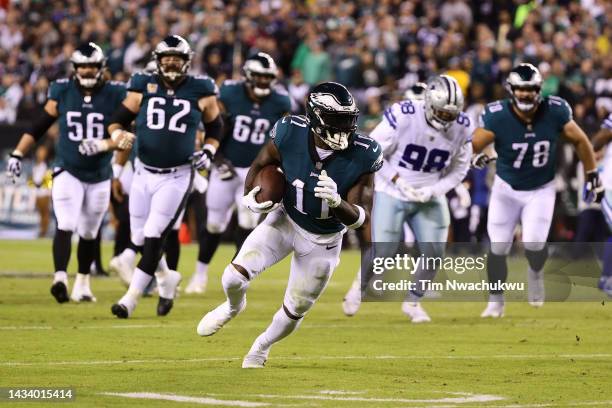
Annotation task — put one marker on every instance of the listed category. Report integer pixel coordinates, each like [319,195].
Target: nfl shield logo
[151,88]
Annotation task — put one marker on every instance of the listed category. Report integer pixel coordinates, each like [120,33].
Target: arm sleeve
[460,164]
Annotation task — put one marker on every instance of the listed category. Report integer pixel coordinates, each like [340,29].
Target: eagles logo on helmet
[86,56]
[443,101]
[174,70]
[332,112]
[524,83]
[260,72]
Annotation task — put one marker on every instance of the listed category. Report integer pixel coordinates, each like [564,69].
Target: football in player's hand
[272,183]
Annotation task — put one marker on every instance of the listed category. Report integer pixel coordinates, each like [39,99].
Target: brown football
[272,183]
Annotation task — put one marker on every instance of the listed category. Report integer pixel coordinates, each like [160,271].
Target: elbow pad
[214,129]
[42,124]
[123,116]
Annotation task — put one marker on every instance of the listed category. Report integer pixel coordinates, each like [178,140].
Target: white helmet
[525,76]
[89,54]
[443,101]
[261,72]
[416,92]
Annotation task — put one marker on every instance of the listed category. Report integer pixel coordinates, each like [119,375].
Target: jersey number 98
[420,159]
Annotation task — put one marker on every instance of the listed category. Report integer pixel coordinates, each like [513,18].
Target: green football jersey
[302,167]
[84,117]
[168,118]
[248,122]
[526,152]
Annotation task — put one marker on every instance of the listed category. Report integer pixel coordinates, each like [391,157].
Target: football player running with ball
[251,107]
[168,106]
[325,165]
[84,104]
[427,151]
[525,131]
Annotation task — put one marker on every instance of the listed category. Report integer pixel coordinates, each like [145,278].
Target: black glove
[593,188]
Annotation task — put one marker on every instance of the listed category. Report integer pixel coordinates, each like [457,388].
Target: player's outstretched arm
[29,138]
[602,138]
[350,212]
[575,135]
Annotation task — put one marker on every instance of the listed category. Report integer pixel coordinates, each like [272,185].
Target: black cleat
[120,311]
[60,292]
[164,306]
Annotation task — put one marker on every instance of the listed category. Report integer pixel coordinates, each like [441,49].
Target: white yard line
[182,398]
[466,398]
[114,326]
[314,358]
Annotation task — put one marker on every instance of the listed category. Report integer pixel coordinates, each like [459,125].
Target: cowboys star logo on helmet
[527,81]
[175,69]
[88,55]
[443,101]
[261,72]
[332,112]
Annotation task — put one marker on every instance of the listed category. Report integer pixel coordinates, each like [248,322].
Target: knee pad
[536,259]
[501,248]
[215,228]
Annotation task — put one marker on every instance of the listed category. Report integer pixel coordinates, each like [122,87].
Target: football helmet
[177,46]
[443,101]
[260,72]
[525,77]
[416,92]
[332,113]
[88,55]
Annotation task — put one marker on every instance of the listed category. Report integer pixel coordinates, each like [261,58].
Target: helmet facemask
[90,79]
[175,69]
[527,81]
[335,129]
[443,102]
[88,55]
[260,72]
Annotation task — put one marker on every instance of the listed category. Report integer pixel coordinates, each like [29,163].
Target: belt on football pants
[157,170]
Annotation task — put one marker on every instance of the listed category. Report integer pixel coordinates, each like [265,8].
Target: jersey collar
[314,156]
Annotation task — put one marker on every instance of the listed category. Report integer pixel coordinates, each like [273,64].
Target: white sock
[235,286]
[139,282]
[201,269]
[496,297]
[281,326]
[128,255]
[60,276]
[163,265]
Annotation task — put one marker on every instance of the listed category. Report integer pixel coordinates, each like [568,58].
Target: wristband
[360,219]
[117,170]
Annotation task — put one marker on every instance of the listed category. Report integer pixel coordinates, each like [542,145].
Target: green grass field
[559,355]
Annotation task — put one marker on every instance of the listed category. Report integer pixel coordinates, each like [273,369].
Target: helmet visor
[344,121]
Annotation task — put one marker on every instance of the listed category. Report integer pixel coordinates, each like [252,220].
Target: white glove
[123,138]
[13,168]
[202,159]
[327,190]
[251,203]
[91,147]
[226,170]
[423,194]
[406,189]
[481,160]
[463,194]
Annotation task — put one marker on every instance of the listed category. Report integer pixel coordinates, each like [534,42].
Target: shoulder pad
[560,107]
[205,85]
[369,152]
[138,81]
[57,87]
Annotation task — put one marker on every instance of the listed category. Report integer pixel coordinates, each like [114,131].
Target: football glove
[202,159]
[91,147]
[327,190]
[463,194]
[406,189]
[251,203]
[226,169]
[481,160]
[423,194]
[123,138]
[593,188]
[13,168]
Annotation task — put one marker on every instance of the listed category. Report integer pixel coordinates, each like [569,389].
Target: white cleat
[167,283]
[352,300]
[415,311]
[81,291]
[255,359]
[494,310]
[197,284]
[217,318]
[535,290]
[122,268]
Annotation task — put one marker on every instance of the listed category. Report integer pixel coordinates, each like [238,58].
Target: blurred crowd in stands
[378,48]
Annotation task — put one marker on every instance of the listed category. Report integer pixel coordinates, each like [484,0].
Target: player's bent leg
[312,265]
[536,220]
[429,222]
[67,194]
[270,242]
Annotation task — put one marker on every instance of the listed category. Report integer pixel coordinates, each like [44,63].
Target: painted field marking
[183,398]
[312,358]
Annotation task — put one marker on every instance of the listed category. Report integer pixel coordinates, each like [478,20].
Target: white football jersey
[418,152]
